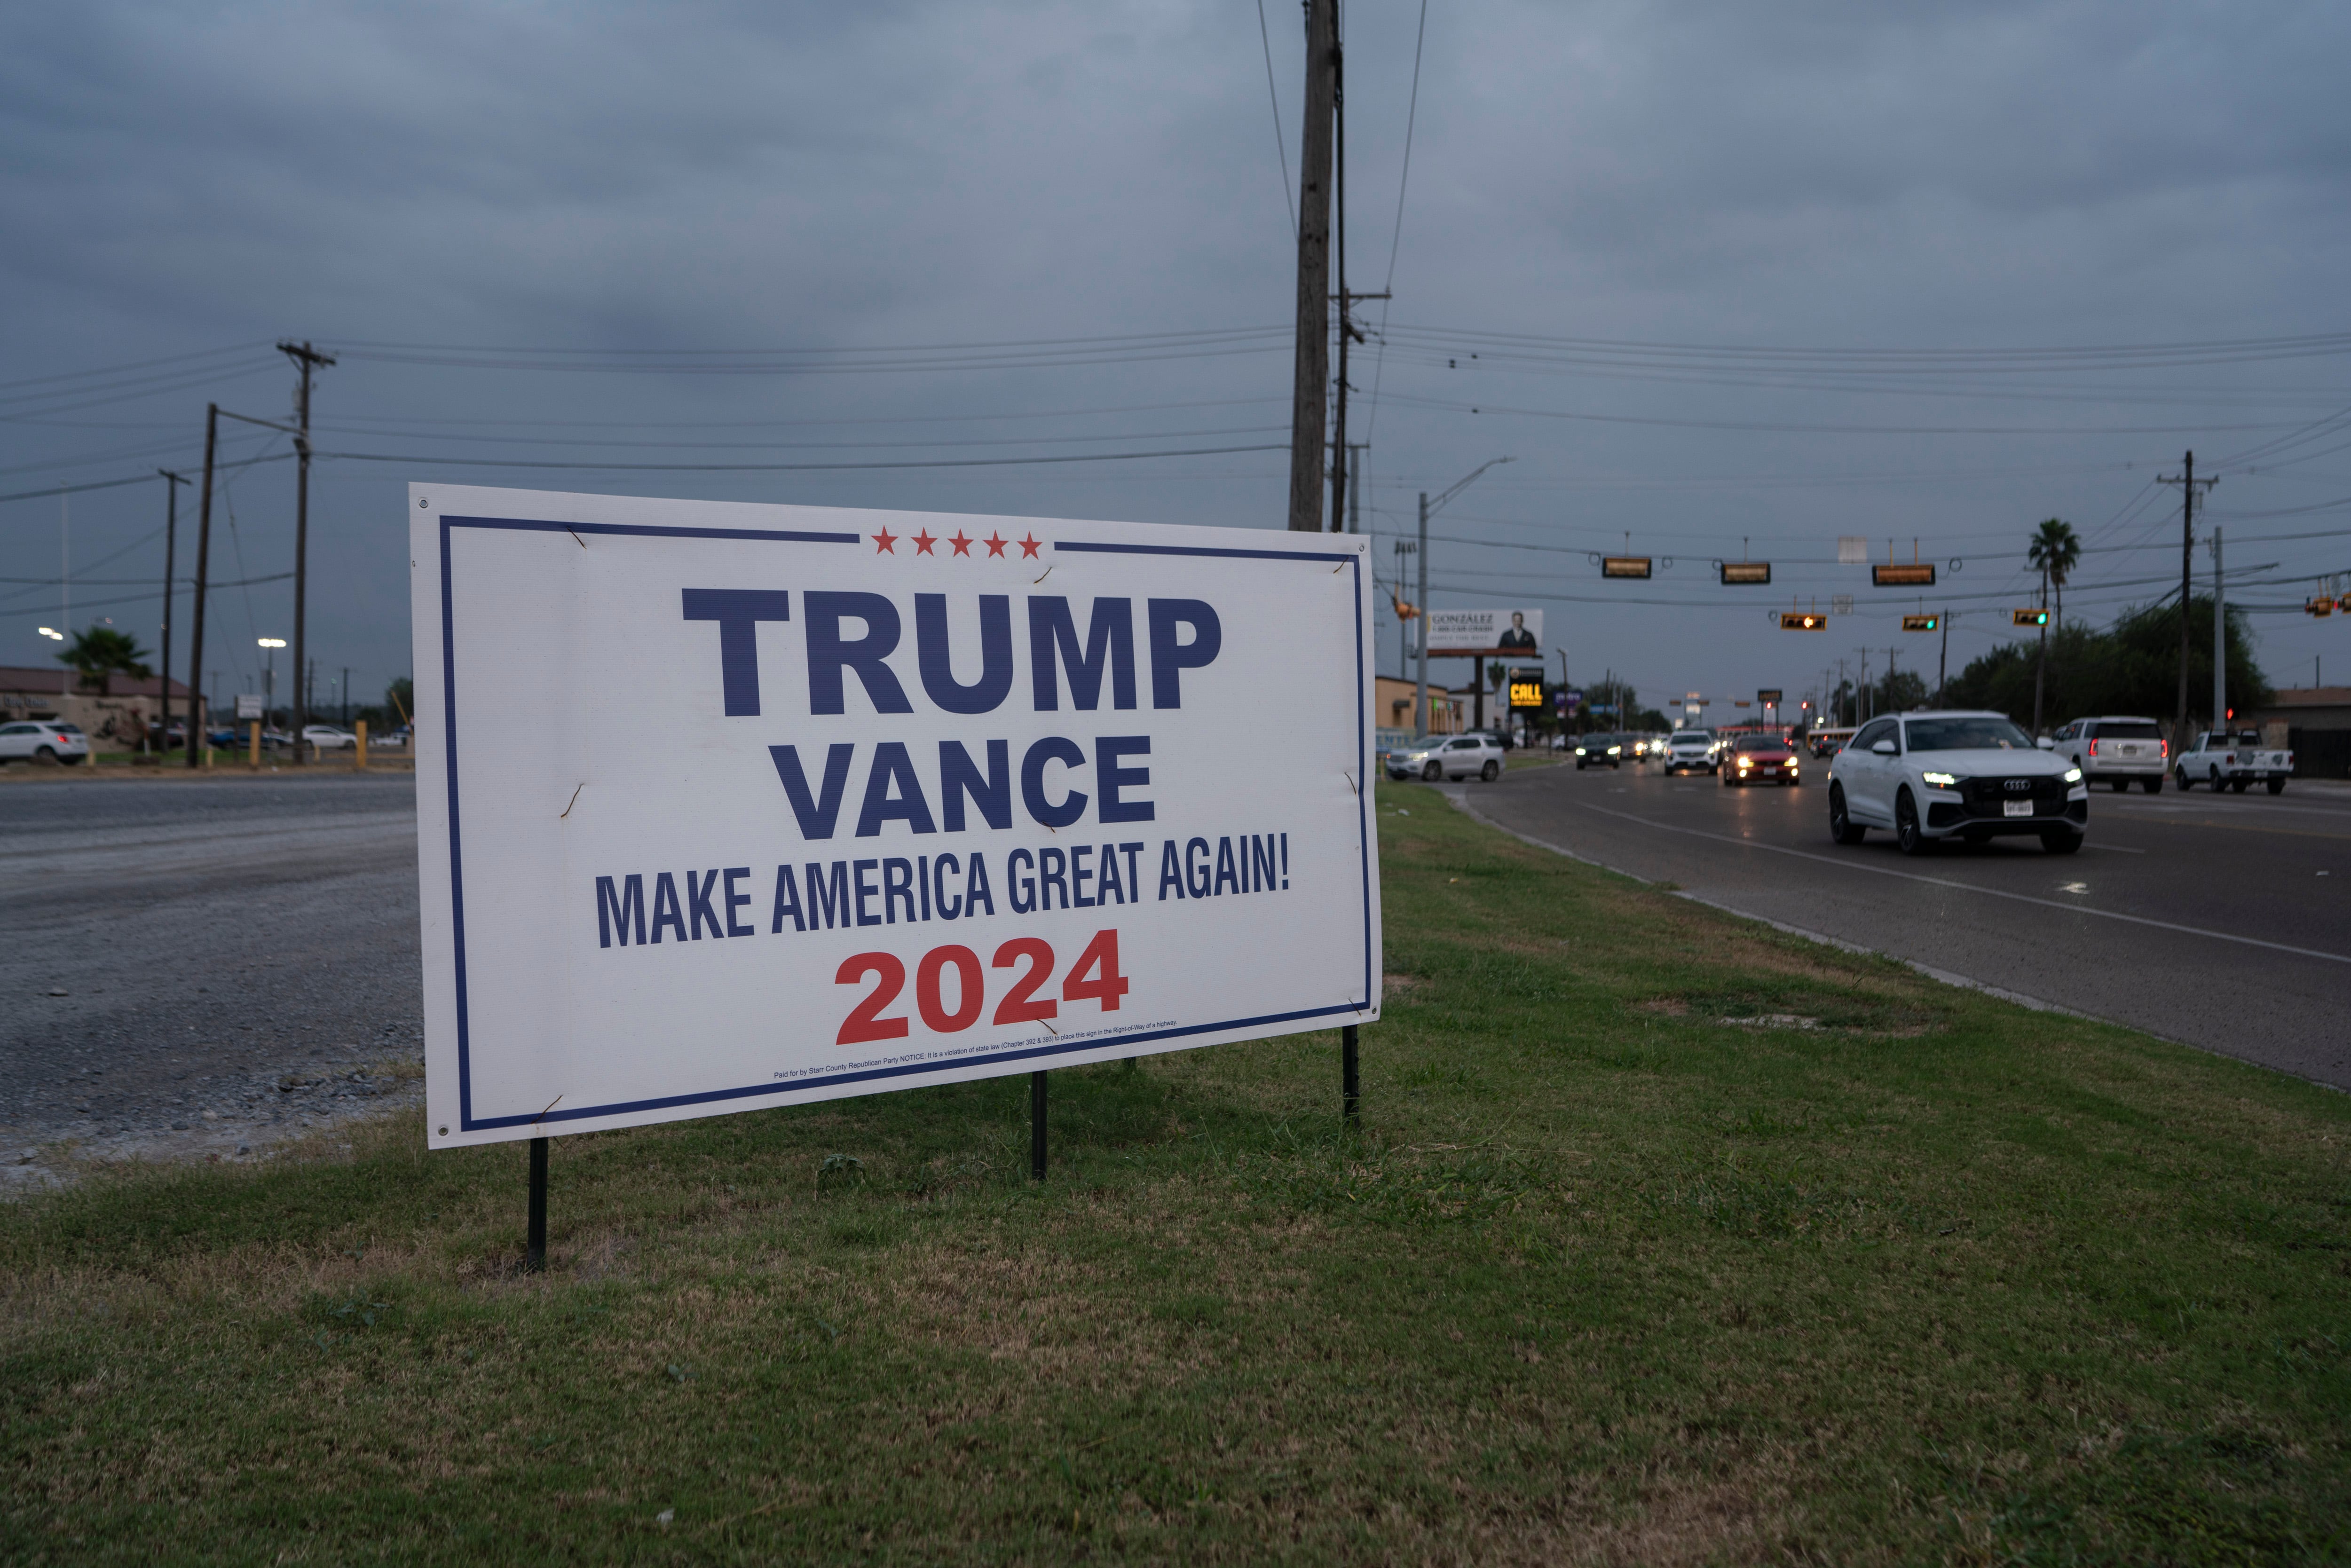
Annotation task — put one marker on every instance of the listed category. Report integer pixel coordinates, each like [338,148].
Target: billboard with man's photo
[1476,634]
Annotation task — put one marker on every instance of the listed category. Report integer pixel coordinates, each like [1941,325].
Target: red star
[887,541]
[924,541]
[962,544]
[1028,546]
[996,543]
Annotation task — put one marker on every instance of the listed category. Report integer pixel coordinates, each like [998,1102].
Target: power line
[790,467]
[1280,150]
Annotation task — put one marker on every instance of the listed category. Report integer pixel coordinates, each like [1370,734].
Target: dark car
[1760,759]
[1597,750]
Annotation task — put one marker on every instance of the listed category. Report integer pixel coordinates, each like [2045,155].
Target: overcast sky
[1915,203]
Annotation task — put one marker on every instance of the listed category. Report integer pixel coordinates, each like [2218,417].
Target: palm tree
[102,653]
[2055,551]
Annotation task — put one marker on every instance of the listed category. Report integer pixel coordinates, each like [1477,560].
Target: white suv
[2116,750]
[1970,776]
[1448,757]
[1688,748]
[43,740]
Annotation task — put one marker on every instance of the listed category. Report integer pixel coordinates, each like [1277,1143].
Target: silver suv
[2116,750]
[1448,757]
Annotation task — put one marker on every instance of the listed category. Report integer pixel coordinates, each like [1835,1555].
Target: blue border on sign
[470,1123]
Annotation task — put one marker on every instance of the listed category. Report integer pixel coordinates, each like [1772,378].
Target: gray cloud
[715,176]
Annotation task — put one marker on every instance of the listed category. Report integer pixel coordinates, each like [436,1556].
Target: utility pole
[1943,661]
[2040,664]
[204,557]
[1356,482]
[2220,640]
[2187,482]
[1420,555]
[171,483]
[1312,378]
[310,358]
[347,700]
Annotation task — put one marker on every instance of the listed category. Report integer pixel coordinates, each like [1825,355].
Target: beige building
[1392,707]
[2314,722]
[112,719]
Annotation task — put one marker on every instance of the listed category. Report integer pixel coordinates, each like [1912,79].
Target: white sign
[248,706]
[1852,550]
[726,806]
[1464,633]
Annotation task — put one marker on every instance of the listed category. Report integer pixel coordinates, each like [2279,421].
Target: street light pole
[1428,509]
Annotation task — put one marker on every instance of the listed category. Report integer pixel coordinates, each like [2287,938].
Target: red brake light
[2166,748]
[2093,749]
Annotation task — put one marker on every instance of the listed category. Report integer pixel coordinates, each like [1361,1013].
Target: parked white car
[43,740]
[2115,751]
[327,738]
[1448,757]
[2222,761]
[1941,775]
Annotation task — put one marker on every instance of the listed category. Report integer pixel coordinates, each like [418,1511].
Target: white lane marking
[1972,887]
[2117,849]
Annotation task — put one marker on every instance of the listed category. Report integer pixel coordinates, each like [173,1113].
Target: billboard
[1527,689]
[724,805]
[1471,633]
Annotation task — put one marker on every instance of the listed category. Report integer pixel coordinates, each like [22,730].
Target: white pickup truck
[2224,761]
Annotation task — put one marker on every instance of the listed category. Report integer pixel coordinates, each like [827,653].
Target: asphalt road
[2220,921]
[170,947]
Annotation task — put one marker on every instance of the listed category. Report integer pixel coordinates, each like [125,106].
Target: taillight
[2093,749]
[2166,748]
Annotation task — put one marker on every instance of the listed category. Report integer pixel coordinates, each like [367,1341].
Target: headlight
[1941,781]
[2072,776]
[1614,749]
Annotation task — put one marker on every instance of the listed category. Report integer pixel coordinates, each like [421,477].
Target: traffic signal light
[2031,617]
[1802,620]
[1921,623]
[2320,606]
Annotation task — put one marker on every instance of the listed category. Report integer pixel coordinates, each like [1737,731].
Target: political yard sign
[727,806]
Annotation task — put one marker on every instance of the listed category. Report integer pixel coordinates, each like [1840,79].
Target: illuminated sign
[1745,571]
[1915,574]
[1624,565]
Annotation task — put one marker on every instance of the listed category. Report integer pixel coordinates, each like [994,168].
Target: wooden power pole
[1312,381]
[310,358]
[2188,484]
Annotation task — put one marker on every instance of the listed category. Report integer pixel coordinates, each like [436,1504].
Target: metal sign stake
[1036,1126]
[535,1243]
[1351,1076]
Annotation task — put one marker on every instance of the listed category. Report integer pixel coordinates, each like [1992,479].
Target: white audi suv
[1970,776]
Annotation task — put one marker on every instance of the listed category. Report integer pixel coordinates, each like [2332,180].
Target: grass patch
[1603,1279]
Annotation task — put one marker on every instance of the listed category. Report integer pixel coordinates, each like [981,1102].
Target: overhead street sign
[1769,696]
[937,797]
[1921,623]
[1904,574]
[2031,617]
[1736,572]
[1799,621]
[1840,603]
[1625,566]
